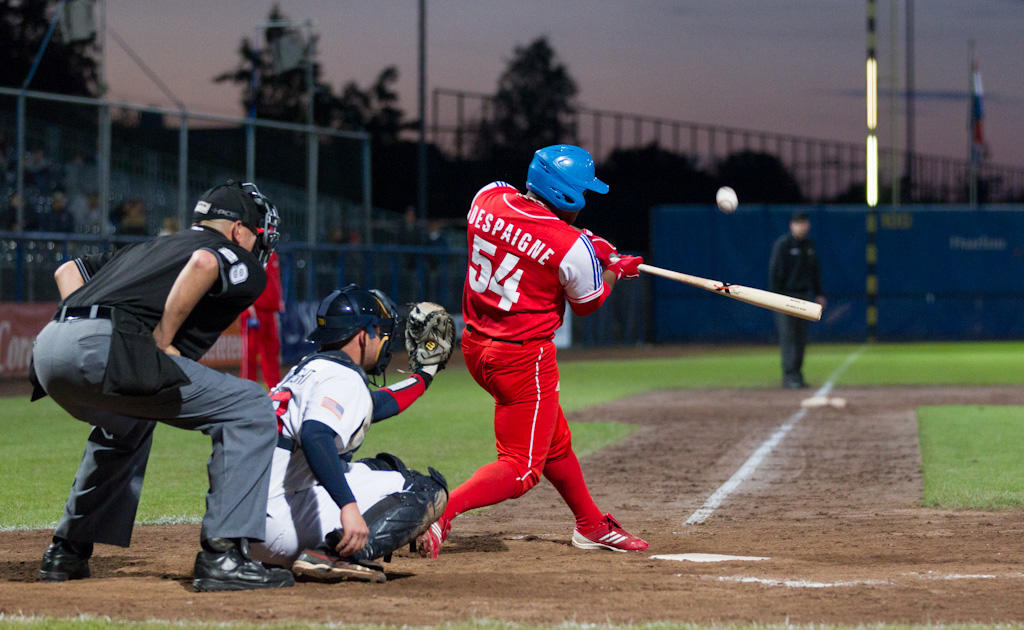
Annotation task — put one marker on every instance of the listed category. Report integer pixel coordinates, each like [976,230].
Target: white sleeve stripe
[400,385]
[494,184]
[588,297]
[593,260]
[82,270]
[580,273]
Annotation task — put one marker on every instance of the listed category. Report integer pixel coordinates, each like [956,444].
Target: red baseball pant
[261,347]
[532,435]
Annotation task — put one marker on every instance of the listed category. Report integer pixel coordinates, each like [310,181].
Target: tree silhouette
[374,109]
[279,96]
[65,67]
[533,106]
[759,177]
[282,96]
[638,180]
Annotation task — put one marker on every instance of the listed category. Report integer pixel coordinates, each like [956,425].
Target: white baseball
[726,199]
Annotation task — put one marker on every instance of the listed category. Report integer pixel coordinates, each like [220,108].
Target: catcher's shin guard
[414,481]
[387,461]
[398,518]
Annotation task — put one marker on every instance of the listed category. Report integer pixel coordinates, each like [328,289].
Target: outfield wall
[944,273]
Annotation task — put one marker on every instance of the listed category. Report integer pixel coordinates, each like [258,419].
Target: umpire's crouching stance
[121,355]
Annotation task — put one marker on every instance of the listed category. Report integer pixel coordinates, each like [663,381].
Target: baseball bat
[758,297]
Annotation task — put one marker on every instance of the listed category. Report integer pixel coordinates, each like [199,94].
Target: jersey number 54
[503,281]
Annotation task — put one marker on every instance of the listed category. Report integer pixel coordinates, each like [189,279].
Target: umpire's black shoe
[226,566]
[65,560]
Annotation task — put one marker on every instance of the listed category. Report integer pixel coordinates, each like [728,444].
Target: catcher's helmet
[561,173]
[242,201]
[346,311]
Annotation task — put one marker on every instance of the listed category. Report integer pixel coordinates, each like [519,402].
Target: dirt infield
[835,509]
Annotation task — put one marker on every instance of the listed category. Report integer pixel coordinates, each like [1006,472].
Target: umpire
[795,272]
[121,354]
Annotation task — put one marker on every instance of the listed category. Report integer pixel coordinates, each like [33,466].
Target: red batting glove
[626,267]
[604,250]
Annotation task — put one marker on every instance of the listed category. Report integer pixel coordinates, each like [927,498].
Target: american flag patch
[332,405]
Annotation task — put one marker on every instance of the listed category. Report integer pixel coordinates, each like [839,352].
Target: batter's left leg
[564,472]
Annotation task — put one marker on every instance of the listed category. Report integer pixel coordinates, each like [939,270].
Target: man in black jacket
[122,354]
[795,272]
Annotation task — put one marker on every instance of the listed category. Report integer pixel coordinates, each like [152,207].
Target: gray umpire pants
[70,359]
[792,340]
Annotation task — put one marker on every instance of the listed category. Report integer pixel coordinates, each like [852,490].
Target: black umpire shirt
[138,278]
[794,267]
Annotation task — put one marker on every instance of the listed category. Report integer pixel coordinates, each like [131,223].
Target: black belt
[477,332]
[66,313]
[286,443]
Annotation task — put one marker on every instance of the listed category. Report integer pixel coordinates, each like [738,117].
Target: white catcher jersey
[327,392]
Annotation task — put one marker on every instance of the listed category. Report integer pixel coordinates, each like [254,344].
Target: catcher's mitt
[429,335]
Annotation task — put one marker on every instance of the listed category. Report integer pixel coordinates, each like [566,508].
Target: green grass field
[972,456]
[450,427]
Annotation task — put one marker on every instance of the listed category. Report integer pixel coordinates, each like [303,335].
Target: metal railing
[825,169]
[405,273]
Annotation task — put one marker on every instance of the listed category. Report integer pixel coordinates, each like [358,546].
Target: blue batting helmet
[561,173]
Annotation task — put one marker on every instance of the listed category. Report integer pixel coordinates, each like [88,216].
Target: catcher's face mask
[243,201]
[267,235]
[385,325]
[347,311]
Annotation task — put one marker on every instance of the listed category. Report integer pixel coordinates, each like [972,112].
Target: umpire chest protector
[136,280]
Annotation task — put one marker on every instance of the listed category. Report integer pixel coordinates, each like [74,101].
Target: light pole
[871,158]
[871,192]
[250,129]
[21,113]
[421,189]
[103,141]
[312,144]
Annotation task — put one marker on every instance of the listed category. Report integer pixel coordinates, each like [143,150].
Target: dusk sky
[788,66]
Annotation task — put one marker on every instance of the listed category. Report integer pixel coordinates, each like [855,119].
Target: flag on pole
[977,116]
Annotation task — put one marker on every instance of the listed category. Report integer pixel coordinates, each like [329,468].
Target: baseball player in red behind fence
[261,343]
[526,261]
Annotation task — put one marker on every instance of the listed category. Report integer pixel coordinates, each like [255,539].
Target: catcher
[330,518]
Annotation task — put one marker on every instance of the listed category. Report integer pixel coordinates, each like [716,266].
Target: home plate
[823,401]
[706,557]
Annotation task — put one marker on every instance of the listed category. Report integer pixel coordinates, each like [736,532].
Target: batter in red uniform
[526,261]
[261,342]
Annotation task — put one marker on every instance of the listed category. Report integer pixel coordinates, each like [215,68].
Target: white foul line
[748,467]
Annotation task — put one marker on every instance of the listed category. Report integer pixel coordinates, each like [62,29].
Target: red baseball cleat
[429,542]
[608,535]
